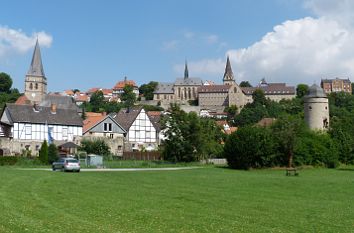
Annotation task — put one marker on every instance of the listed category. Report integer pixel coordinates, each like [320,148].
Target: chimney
[35,107]
[53,108]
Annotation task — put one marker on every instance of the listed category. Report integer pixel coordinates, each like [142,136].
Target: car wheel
[53,168]
[78,170]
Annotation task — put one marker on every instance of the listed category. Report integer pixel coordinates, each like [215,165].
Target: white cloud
[296,51]
[15,41]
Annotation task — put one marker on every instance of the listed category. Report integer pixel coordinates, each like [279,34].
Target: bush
[97,146]
[53,154]
[43,152]
[316,149]
[8,160]
[250,147]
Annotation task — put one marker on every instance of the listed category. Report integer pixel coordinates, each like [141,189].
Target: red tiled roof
[69,92]
[89,122]
[153,113]
[22,100]
[121,84]
[81,98]
[93,90]
[106,91]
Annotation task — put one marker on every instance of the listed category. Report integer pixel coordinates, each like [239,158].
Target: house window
[28,130]
[36,86]
[65,132]
[107,127]
[111,135]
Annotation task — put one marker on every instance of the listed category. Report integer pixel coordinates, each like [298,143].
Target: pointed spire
[186,73]
[36,68]
[228,75]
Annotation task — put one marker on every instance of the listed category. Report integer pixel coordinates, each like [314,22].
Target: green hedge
[8,160]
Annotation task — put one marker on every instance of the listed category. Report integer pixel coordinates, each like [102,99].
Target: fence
[138,155]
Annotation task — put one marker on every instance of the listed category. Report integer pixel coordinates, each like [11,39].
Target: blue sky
[91,43]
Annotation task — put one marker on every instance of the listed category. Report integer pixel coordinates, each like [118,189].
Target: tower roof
[315,92]
[36,67]
[228,75]
[186,73]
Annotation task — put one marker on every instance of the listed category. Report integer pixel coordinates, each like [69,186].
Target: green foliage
[43,152]
[301,90]
[245,84]
[231,111]
[129,97]
[190,138]
[8,160]
[147,90]
[317,149]
[251,114]
[5,82]
[148,108]
[287,130]
[97,101]
[97,146]
[53,153]
[250,147]
[259,97]
[8,97]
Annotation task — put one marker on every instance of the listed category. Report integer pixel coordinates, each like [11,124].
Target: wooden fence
[138,155]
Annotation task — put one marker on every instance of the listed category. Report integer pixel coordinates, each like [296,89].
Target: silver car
[66,164]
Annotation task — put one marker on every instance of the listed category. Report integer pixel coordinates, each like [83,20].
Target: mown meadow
[205,199]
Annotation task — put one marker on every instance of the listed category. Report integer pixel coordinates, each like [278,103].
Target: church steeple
[35,81]
[228,78]
[186,73]
[36,67]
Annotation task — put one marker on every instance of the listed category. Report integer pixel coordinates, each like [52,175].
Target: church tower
[228,75]
[186,73]
[35,81]
[316,108]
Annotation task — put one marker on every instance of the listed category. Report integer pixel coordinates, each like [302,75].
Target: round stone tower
[316,108]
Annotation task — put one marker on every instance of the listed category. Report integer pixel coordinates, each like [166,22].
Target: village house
[142,129]
[104,127]
[118,89]
[336,85]
[37,116]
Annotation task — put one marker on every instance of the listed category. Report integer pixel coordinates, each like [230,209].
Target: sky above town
[96,43]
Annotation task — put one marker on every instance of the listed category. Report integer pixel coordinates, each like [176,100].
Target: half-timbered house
[142,130]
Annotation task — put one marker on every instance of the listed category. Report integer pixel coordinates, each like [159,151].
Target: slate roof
[126,118]
[271,89]
[66,102]
[36,67]
[347,80]
[26,114]
[315,92]
[214,89]
[155,118]
[188,82]
[164,88]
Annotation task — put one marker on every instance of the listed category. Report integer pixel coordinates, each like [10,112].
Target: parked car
[66,164]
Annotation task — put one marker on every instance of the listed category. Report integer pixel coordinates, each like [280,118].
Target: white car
[66,164]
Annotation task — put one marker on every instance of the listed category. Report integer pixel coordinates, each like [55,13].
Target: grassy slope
[201,200]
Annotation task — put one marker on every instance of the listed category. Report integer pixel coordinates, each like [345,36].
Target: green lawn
[200,200]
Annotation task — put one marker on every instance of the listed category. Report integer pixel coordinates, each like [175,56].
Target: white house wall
[28,131]
[142,130]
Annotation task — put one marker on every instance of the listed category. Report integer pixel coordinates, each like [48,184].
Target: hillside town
[60,118]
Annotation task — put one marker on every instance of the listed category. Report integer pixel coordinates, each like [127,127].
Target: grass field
[200,200]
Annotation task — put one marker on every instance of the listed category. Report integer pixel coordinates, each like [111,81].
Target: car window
[72,161]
